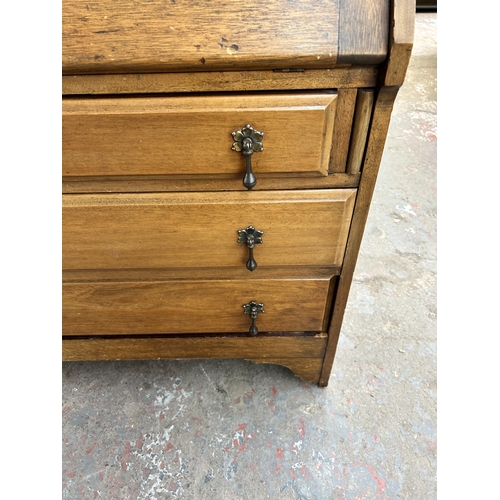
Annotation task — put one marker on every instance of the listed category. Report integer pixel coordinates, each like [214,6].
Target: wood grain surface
[166,261]
[302,355]
[363,31]
[185,135]
[400,41]
[346,103]
[151,184]
[172,230]
[193,306]
[169,347]
[382,110]
[364,105]
[220,81]
[120,36]
[308,369]
[182,274]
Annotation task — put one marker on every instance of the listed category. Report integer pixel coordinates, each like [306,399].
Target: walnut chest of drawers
[219,160]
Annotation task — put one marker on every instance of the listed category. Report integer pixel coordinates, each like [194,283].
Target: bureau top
[141,36]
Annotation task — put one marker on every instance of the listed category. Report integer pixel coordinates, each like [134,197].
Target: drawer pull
[250,236]
[248,141]
[253,309]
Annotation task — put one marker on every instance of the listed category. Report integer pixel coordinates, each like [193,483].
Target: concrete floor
[234,429]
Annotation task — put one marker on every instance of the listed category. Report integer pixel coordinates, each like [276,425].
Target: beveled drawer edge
[195,183]
[199,273]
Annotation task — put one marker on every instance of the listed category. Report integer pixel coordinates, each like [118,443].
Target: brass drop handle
[250,237]
[248,141]
[253,308]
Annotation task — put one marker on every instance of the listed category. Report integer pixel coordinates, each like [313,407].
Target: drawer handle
[250,236]
[248,141]
[253,309]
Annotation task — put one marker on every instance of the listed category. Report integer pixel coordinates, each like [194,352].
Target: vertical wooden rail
[364,105]
[342,130]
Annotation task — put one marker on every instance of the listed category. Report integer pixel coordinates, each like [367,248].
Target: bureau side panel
[374,150]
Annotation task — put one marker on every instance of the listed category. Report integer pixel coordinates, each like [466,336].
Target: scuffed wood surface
[123,36]
[401,41]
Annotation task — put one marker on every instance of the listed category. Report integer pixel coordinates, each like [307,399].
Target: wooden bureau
[219,161]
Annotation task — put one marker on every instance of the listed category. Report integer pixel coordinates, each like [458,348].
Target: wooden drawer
[200,230]
[195,306]
[191,135]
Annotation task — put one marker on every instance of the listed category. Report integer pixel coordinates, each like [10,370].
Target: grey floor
[234,429]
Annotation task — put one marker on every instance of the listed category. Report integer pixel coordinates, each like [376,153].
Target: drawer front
[200,230]
[184,136]
[194,306]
